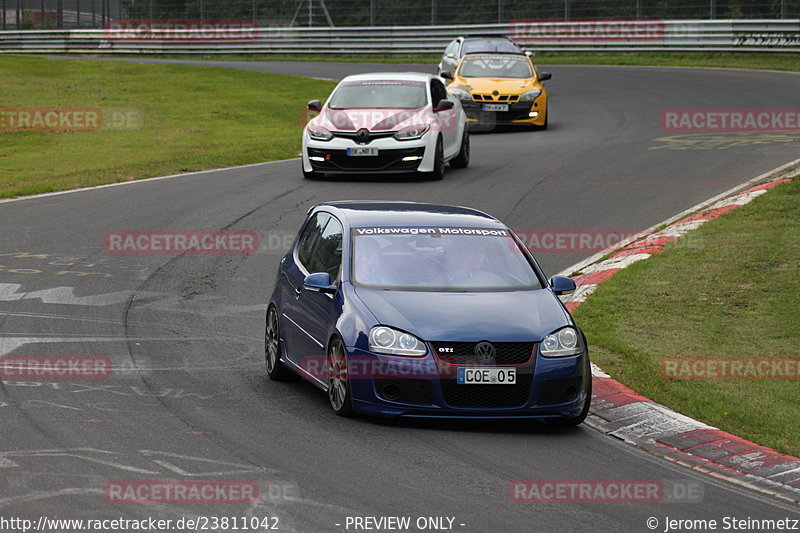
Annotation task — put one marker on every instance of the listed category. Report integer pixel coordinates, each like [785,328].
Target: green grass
[729,289]
[752,60]
[192,118]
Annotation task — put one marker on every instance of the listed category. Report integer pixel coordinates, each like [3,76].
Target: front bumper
[545,388]
[330,157]
[518,113]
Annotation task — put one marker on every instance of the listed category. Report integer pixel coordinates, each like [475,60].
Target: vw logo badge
[485,351]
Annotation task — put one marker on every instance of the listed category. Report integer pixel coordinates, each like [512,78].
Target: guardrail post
[566,9]
[433,12]
[202,11]
[59,14]
[712,8]
[4,14]
[18,12]
[372,14]
[78,16]
[784,9]
[499,11]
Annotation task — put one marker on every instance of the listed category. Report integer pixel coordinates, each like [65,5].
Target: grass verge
[182,119]
[750,60]
[729,289]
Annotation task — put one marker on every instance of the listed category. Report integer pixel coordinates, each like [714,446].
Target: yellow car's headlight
[530,96]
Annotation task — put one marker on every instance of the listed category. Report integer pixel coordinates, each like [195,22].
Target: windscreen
[442,259]
[489,45]
[374,94]
[496,67]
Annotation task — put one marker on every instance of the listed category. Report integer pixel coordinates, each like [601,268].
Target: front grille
[370,137]
[414,391]
[559,391]
[463,353]
[498,98]
[487,396]
[385,160]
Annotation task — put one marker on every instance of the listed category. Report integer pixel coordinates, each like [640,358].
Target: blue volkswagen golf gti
[419,310]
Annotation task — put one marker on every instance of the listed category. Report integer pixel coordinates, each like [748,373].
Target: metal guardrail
[616,35]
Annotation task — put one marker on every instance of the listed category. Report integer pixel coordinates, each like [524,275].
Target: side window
[327,255]
[309,239]
[438,92]
[452,49]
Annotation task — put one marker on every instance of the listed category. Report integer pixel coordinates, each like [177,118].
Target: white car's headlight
[411,132]
[318,133]
[390,341]
[560,343]
[530,96]
[461,94]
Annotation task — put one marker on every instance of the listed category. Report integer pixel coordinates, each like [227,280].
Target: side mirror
[443,105]
[529,53]
[446,75]
[320,282]
[450,56]
[316,105]
[544,76]
[562,285]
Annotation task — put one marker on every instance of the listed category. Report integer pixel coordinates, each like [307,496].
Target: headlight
[530,96]
[319,133]
[386,340]
[560,343]
[411,132]
[461,94]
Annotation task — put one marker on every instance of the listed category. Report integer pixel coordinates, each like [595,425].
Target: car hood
[468,316]
[501,85]
[372,119]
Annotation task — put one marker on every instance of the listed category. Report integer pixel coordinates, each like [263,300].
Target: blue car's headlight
[560,343]
[386,340]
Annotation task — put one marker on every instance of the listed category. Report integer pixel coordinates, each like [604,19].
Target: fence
[77,14]
[242,36]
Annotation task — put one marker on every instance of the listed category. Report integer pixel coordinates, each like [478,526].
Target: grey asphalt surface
[189,399]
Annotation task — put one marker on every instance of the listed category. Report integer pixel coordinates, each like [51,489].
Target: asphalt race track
[189,399]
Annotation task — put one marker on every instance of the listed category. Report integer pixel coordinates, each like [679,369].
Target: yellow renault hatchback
[496,88]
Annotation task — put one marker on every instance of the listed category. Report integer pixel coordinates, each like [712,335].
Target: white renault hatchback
[386,122]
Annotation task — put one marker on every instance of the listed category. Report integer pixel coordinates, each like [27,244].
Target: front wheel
[272,350]
[339,391]
[462,159]
[438,162]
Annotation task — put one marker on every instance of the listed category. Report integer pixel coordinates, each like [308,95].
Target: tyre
[438,162]
[339,390]
[462,159]
[276,370]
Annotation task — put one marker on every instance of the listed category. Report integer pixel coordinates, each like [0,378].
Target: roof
[404,76]
[362,213]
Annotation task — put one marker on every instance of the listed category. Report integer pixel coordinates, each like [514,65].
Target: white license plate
[362,151]
[494,107]
[486,376]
